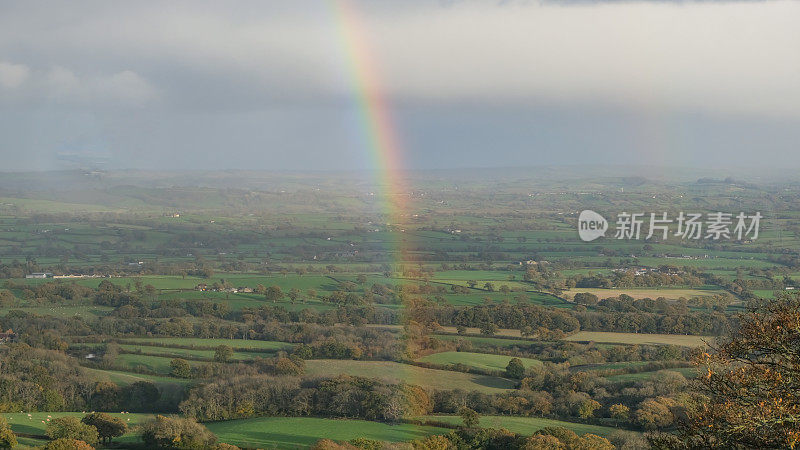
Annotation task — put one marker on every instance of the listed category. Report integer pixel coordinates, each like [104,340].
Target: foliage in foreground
[69,427]
[67,444]
[750,385]
[7,438]
[108,426]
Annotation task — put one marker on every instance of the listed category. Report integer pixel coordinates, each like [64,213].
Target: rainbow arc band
[380,135]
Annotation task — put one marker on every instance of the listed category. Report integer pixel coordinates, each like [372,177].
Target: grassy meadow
[477,360]
[397,372]
[303,432]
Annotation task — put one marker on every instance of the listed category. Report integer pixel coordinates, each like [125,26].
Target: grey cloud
[59,86]
[12,75]
[716,57]
[270,83]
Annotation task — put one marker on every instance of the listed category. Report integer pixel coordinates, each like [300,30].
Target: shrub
[71,428]
[176,433]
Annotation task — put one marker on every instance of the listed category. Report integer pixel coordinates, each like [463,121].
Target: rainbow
[375,117]
[381,137]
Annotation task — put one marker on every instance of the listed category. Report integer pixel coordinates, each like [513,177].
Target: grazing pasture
[87,312]
[473,331]
[157,364]
[188,353]
[481,341]
[126,378]
[303,432]
[483,361]
[36,422]
[201,343]
[405,373]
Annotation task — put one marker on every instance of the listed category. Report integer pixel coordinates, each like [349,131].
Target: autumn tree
[106,396]
[108,426]
[595,442]
[69,427]
[180,368]
[273,294]
[543,442]
[470,418]
[141,396]
[750,383]
[488,329]
[585,298]
[176,433]
[515,369]
[566,436]
[588,407]
[656,413]
[433,442]
[7,438]
[620,412]
[67,444]
[223,353]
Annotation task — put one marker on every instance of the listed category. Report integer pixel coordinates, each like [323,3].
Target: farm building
[39,275]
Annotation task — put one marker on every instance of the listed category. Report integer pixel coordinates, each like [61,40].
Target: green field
[527,425]
[764,293]
[364,273]
[188,353]
[481,297]
[453,330]
[37,421]
[157,364]
[302,432]
[187,284]
[397,372]
[478,360]
[202,343]
[88,312]
[125,378]
[640,338]
[480,341]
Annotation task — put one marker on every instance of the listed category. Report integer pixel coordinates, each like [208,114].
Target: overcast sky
[267,85]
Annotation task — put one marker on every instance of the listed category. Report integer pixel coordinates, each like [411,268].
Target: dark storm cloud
[268,84]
